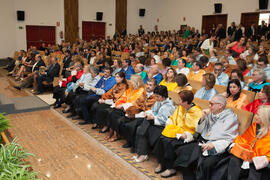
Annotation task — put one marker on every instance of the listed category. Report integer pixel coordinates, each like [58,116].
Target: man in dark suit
[28,81]
[141,31]
[66,62]
[251,32]
[231,29]
[48,75]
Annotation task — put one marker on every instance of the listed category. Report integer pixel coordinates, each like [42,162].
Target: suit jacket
[66,62]
[40,63]
[53,71]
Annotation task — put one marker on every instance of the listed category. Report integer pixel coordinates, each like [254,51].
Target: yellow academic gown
[183,121]
[196,76]
[170,86]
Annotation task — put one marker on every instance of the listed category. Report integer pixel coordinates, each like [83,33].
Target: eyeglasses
[213,103]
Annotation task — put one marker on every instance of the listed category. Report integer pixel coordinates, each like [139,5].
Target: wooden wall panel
[71,20]
[120,15]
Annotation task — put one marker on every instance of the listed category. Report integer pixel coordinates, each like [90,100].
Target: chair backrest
[244,118]
[250,95]
[220,89]
[204,104]
[196,85]
[174,96]
[246,79]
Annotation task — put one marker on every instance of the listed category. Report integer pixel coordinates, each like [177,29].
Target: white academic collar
[106,78]
[148,94]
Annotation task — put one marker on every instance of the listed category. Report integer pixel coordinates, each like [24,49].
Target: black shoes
[76,117]
[18,88]
[127,145]
[66,111]
[84,123]
[57,106]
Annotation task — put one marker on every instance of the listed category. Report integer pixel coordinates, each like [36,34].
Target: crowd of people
[129,98]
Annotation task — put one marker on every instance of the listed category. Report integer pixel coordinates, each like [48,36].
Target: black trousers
[235,172]
[164,150]
[101,113]
[59,94]
[146,137]
[115,119]
[40,79]
[129,128]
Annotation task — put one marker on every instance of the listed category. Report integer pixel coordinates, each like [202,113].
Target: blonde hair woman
[253,148]
[133,98]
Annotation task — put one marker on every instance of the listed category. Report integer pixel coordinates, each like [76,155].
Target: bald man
[154,73]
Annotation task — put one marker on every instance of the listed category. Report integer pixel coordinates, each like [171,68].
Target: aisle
[63,151]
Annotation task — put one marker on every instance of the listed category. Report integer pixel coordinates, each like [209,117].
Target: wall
[173,11]
[38,12]
[88,9]
[152,11]
[7,35]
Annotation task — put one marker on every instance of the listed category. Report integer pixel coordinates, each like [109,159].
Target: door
[93,30]
[247,19]
[209,20]
[120,15]
[36,35]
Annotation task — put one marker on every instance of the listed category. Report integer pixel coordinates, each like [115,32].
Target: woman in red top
[263,99]
[237,47]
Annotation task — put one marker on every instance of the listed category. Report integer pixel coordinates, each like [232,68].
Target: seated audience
[166,62]
[263,99]
[242,66]
[66,63]
[154,73]
[117,66]
[155,56]
[235,98]
[207,91]
[237,74]
[139,70]
[182,83]
[207,66]
[181,67]
[262,63]
[221,77]
[257,81]
[208,45]
[176,59]
[226,66]
[196,72]
[251,150]
[169,80]
[127,68]
[106,100]
[47,75]
[180,127]
[104,84]
[237,47]
[150,129]
[190,60]
[134,116]
[216,130]
[132,97]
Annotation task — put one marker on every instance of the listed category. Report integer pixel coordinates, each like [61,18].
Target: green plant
[13,165]
[4,122]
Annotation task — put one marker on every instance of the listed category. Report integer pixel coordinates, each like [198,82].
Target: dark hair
[242,64]
[263,59]
[152,80]
[183,61]
[181,79]
[128,61]
[122,75]
[166,62]
[210,80]
[199,63]
[68,51]
[266,90]
[186,96]
[218,64]
[108,68]
[198,49]
[174,72]
[239,74]
[162,91]
[204,60]
[142,59]
[237,95]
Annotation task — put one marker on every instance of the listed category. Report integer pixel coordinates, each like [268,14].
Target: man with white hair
[216,130]
[154,73]
[139,70]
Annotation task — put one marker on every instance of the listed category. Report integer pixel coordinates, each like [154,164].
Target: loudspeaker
[218,7]
[99,16]
[141,12]
[20,15]
[263,4]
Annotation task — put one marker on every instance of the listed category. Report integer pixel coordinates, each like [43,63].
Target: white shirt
[206,45]
[183,70]
[157,58]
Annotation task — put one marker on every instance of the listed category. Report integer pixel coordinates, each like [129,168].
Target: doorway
[36,35]
[93,30]
[209,20]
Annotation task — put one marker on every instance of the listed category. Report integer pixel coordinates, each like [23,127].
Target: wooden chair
[246,79]
[250,95]
[196,85]
[244,118]
[220,89]
[174,96]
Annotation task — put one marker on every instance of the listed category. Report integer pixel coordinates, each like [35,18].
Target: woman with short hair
[257,81]
[207,91]
[182,83]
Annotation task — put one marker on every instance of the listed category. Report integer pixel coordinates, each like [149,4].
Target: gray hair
[94,70]
[219,98]
[261,73]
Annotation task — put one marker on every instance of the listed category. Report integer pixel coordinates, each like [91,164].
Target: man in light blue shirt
[262,63]
[221,77]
